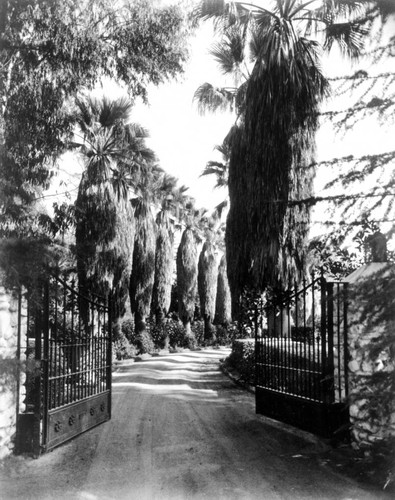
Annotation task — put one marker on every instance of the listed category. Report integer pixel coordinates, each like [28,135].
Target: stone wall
[10,370]
[371,321]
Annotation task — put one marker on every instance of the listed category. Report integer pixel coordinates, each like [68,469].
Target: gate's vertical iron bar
[288,345]
[67,346]
[323,336]
[104,343]
[95,345]
[38,374]
[270,356]
[269,375]
[45,360]
[330,333]
[91,362]
[314,338]
[297,361]
[345,340]
[63,347]
[292,340]
[85,340]
[18,351]
[256,363]
[280,349]
[338,364]
[304,337]
[102,351]
[109,349]
[263,368]
[72,318]
[57,344]
[274,350]
[99,354]
[55,339]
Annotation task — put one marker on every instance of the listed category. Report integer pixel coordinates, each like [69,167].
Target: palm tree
[112,149]
[164,255]
[187,280]
[269,170]
[207,284]
[143,269]
[223,315]
[233,54]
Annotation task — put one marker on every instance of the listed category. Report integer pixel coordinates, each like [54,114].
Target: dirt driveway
[180,430]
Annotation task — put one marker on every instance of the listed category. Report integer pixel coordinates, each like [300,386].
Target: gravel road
[181,430]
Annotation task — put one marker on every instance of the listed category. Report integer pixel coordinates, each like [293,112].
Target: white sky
[183,140]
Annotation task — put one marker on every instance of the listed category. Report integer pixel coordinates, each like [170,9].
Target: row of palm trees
[121,247]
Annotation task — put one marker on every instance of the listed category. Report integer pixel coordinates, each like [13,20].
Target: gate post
[329,366]
[36,373]
[371,320]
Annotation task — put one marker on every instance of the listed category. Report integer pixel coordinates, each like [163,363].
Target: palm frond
[227,57]
[349,37]
[221,207]
[112,111]
[220,170]
[212,99]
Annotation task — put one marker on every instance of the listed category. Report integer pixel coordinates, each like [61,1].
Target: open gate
[301,358]
[64,346]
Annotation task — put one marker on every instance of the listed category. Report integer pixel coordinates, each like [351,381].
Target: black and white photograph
[197,250]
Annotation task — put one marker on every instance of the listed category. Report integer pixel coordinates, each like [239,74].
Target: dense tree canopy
[50,50]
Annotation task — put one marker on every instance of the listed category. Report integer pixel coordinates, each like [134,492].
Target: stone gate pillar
[371,323]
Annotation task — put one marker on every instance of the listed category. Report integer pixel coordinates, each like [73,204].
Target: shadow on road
[177,376]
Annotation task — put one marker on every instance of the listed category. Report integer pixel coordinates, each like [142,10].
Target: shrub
[242,358]
[222,335]
[159,334]
[122,348]
[144,343]
[176,333]
[128,330]
[198,331]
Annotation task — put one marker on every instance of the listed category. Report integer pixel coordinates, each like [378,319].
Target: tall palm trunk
[223,314]
[187,281]
[104,243]
[238,251]
[207,284]
[270,172]
[164,263]
[280,143]
[143,268]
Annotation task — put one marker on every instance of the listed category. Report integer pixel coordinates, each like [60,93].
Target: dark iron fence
[67,340]
[301,355]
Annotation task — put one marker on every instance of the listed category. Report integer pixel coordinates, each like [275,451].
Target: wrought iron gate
[301,358]
[64,344]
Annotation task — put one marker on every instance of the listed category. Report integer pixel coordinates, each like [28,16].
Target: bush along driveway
[181,429]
